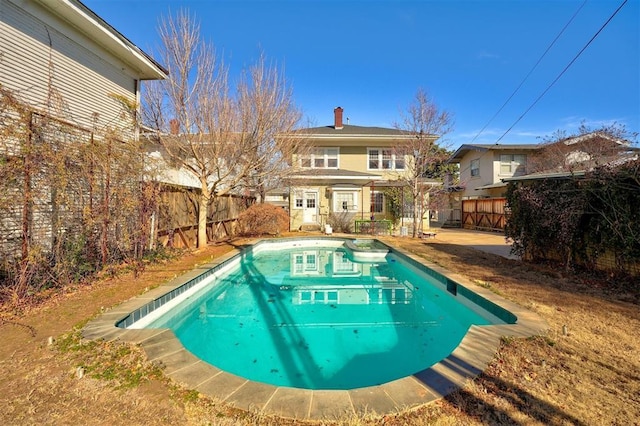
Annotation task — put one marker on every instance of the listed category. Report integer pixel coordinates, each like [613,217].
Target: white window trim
[513,165]
[325,155]
[339,209]
[298,194]
[394,158]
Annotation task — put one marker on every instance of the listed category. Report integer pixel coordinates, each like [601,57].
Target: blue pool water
[312,317]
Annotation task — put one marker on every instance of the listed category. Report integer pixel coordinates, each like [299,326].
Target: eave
[548,175]
[457,156]
[84,19]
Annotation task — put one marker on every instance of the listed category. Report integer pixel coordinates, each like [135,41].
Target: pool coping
[468,360]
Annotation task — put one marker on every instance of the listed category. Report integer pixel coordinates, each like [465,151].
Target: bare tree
[424,124]
[226,143]
[584,150]
[268,118]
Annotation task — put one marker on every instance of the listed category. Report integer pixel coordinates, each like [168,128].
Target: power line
[563,71]
[530,71]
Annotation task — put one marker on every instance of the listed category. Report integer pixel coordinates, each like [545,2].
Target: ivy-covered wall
[591,221]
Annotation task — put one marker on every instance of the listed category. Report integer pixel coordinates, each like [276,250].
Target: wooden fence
[65,188]
[177,218]
[486,214]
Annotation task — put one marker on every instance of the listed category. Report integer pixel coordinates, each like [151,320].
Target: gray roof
[349,130]
[323,173]
[546,175]
[400,183]
[464,149]
[594,135]
[491,186]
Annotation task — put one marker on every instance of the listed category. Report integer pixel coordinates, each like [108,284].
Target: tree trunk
[415,208]
[203,204]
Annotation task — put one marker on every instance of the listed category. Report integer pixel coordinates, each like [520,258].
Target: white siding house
[73,73]
[64,60]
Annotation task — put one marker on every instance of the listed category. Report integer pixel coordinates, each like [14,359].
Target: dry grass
[590,376]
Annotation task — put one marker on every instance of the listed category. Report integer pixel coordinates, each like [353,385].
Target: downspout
[402,208]
[371,207]
[136,126]
[371,201]
[362,202]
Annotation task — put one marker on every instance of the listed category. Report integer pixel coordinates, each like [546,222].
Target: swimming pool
[307,314]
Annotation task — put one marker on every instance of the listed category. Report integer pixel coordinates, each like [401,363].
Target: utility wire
[563,71]
[530,71]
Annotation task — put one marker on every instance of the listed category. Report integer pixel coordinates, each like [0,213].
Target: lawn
[584,371]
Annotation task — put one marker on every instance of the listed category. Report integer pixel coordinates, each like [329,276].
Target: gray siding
[38,51]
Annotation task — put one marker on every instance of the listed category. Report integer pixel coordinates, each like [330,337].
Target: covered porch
[354,202]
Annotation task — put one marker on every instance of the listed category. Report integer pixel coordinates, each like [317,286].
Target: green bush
[263,219]
[578,219]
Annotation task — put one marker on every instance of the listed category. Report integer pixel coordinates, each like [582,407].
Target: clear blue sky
[370,57]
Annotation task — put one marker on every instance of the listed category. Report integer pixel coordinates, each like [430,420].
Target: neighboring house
[477,201]
[178,162]
[572,157]
[278,197]
[64,60]
[345,175]
[482,167]
[583,152]
[78,78]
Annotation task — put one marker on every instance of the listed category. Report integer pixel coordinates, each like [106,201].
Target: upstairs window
[374,159]
[384,159]
[321,158]
[387,159]
[513,164]
[475,167]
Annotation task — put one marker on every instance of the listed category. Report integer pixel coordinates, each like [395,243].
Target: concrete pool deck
[468,360]
[488,242]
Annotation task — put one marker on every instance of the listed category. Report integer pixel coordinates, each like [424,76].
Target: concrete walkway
[489,242]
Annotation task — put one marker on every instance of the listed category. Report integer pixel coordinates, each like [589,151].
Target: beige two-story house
[346,173]
[476,201]
[482,167]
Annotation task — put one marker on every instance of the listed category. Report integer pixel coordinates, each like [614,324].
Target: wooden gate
[485,214]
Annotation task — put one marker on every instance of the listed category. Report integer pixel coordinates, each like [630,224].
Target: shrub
[579,219]
[260,219]
[341,222]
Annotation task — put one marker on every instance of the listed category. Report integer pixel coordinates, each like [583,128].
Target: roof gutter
[541,176]
[83,18]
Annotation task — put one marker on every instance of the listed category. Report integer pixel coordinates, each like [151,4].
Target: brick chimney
[174,126]
[337,113]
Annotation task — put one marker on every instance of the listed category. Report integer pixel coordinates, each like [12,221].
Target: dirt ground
[584,371]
